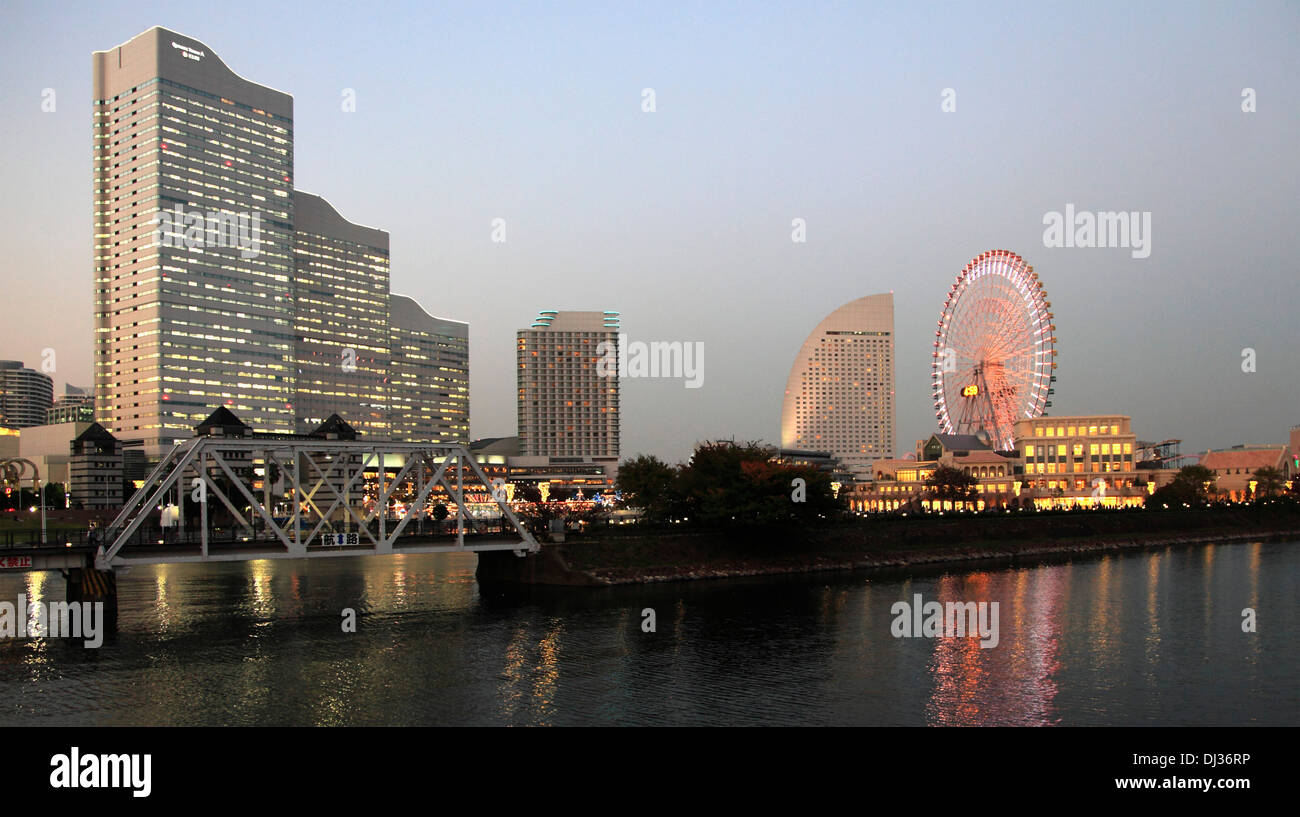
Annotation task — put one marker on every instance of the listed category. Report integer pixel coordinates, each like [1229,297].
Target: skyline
[444,257]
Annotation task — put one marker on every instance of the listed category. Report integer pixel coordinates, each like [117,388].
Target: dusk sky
[680,218]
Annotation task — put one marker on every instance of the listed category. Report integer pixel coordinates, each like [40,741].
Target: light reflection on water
[1151,637]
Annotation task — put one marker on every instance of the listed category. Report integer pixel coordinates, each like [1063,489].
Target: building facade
[1234,469]
[839,396]
[1072,454]
[216,284]
[96,469]
[73,406]
[567,394]
[25,395]
[340,320]
[193,236]
[47,448]
[429,375]
[1057,462]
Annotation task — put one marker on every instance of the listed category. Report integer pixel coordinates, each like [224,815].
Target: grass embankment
[658,553]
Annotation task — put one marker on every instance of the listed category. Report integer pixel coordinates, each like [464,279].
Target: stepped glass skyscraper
[429,375]
[341,338]
[840,393]
[193,235]
[218,284]
[568,401]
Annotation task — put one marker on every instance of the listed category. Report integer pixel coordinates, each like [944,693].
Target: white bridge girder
[324,478]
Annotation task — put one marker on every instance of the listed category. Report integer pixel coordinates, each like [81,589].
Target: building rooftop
[1247,458]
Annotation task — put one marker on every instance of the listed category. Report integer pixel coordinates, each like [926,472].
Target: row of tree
[23,498]
[1194,484]
[727,483]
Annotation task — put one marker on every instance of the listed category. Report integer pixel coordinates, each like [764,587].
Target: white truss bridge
[295,498]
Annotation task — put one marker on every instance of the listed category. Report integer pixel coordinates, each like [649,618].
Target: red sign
[7,562]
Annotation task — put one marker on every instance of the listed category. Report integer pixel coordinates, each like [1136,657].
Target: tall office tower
[193,233]
[341,336]
[840,393]
[568,406]
[429,400]
[25,395]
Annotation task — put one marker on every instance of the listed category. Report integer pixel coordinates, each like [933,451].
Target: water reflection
[1153,637]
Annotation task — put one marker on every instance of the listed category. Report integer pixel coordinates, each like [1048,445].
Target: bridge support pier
[546,567]
[86,584]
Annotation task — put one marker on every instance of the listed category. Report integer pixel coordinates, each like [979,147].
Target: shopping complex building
[1057,462]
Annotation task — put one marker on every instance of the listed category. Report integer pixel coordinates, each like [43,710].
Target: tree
[1196,479]
[55,494]
[951,483]
[1269,481]
[649,484]
[727,482]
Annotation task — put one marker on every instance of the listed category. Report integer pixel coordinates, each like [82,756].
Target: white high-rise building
[193,240]
[839,397]
[216,284]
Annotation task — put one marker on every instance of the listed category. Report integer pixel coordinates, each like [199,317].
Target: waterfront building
[567,393]
[429,392]
[1234,468]
[218,284]
[563,476]
[1069,456]
[839,396]
[1056,462]
[193,237]
[25,395]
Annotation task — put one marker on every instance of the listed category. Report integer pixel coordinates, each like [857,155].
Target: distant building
[823,461]
[9,438]
[96,466]
[839,396]
[73,406]
[47,447]
[567,402]
[25,395]
[564,476]
[429,374]
[1234,468]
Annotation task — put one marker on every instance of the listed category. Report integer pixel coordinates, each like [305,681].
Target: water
[1145,638]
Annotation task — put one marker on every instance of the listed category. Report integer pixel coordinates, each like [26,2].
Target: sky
[680,218]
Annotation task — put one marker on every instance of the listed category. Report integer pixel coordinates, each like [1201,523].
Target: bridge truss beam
[321,481]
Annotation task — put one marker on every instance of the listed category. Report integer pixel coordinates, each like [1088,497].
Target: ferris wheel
[994,350]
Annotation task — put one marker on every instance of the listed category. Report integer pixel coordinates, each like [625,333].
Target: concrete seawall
[551,566]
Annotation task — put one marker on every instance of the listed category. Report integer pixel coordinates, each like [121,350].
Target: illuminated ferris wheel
[994,351]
